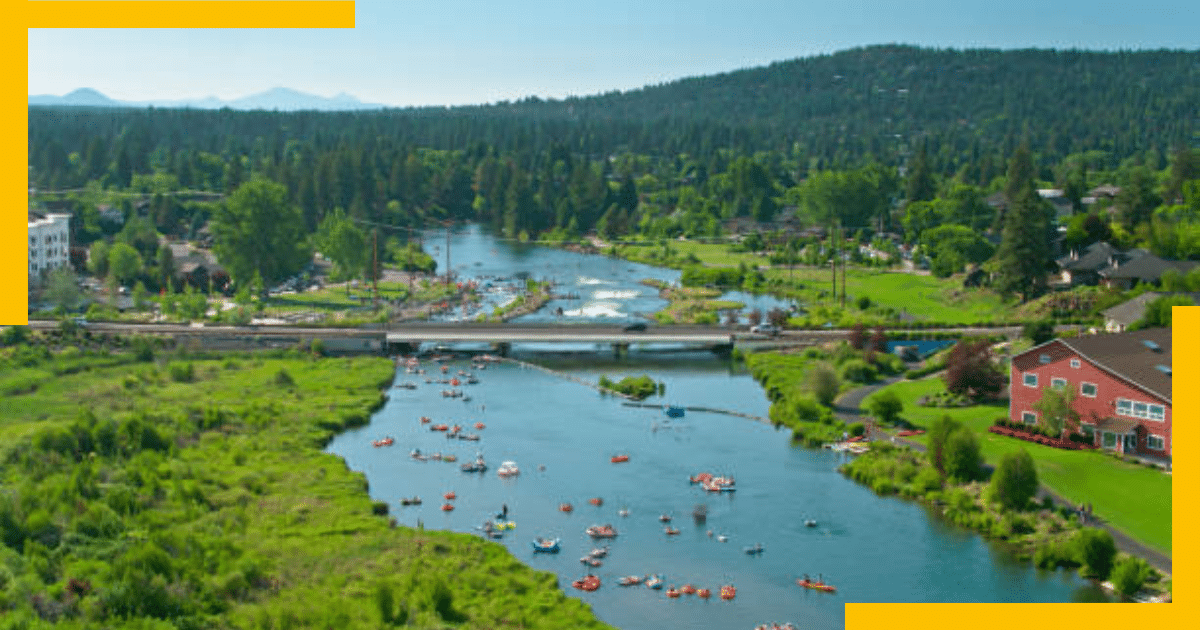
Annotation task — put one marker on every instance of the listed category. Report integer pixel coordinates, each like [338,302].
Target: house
[197,267]
[1084,267]
[1121,316]
[49,244]
[1122,385]
[1146,267]
[1063,208]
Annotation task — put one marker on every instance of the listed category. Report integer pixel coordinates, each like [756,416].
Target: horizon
[466,52]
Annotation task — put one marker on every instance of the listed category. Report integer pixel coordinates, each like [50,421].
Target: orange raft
[672,592]
[687,589]
[817,586]
[565,507]
[597,501]
[617,459]
[728,592]
[450,496]
[589,583]
[704,593]
[447,507]
[387,441]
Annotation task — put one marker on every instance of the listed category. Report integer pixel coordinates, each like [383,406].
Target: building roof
[1093,258]
[1105,190]
[1148,268]
[1117,425]
[1133,310]
[1127,356]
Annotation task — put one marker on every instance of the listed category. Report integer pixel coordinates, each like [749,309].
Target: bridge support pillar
[502,348]
[620,350]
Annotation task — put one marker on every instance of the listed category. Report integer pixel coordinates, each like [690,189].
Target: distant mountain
[275,99]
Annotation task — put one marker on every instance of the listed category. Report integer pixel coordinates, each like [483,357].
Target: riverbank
[202,495]
[690,305]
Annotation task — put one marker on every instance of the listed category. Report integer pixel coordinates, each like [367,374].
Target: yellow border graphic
[340,14]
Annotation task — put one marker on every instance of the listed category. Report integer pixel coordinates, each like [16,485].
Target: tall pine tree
[1025,238]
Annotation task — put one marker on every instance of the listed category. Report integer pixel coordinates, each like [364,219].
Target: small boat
[713,487]
[455,382]
[728,592]
[817,585]
[722,538]
[470,437]
[602,531]
[437,457]
[412,501]
[450,496]
[416,454]
[447,507]
[630,580]
[545,545]
[671,531]
[673,411]
[687,589]
[508,469]
[589,583]
[753,549]
[476,466]
[387,441]
[590,561]
[599,552]
[810,523]
[450,458]
[703,593]
[655,582]
[439,427]
[597,501]
[407,385]
[479,426]
[425,420]
[617,459]
[666,518]
[623,512]
[701,478]
[672,592]
[565,507]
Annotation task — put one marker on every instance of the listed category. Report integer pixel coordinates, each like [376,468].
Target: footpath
[847,408]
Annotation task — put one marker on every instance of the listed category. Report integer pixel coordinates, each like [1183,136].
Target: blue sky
[452,52]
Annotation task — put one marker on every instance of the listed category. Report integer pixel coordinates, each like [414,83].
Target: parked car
[765,329]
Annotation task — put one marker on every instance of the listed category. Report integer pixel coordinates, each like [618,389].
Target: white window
[1155,442]
[1045,358]
[1075,363]
[1058,383]
[1031,380]
[1124,407]
[1141,410]
[1028,417]
[1088,389]
[1157,412]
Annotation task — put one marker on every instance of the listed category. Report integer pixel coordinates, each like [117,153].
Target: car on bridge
[765,329]
[636,327]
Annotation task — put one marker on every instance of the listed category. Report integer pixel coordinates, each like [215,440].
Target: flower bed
[1040,439]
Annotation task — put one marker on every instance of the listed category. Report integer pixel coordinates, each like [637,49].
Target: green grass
[925,298]
[253,525]
[1135,499]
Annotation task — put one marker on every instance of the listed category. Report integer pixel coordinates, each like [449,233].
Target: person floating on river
[504,511]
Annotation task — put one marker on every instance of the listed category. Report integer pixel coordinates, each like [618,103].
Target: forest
[879,139]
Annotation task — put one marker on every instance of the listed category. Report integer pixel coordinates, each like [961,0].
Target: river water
[562,435]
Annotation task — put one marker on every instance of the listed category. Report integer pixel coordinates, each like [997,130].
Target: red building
[1122,385]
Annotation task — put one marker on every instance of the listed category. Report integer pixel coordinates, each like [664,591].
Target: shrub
[859,371]
[961,455]
[1095,550]
[857,429]
[284,379]
[824,384]
[1015,481]
[887,407]
[1129,575]
[182,372]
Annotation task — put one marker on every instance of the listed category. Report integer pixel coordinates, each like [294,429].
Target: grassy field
[1135,499]
[190,491]
[923,297]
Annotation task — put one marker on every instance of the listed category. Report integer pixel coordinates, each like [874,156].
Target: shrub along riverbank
[1051,537]
[192,490]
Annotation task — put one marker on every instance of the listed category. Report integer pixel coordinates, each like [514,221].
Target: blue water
[601,288]
[562,435]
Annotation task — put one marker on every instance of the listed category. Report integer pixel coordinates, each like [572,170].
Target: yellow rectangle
[190,14]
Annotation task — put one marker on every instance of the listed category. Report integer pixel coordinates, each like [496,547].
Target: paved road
[848,409]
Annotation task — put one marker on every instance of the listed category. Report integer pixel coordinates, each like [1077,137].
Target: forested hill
[970,108]
[862,99]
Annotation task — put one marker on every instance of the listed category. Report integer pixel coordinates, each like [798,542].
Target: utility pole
[447,224]
[833,260]
[375,263]
[843,237]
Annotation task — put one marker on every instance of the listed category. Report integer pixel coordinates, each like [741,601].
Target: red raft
[589,583]
[817,586]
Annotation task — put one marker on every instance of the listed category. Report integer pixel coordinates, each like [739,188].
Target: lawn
[923,297]
[1135,499]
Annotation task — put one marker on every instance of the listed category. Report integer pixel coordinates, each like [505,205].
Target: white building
[49,244]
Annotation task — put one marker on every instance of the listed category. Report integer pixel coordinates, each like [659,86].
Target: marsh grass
[208,500]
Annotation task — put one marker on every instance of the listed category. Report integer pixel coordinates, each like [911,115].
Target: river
[562,435]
